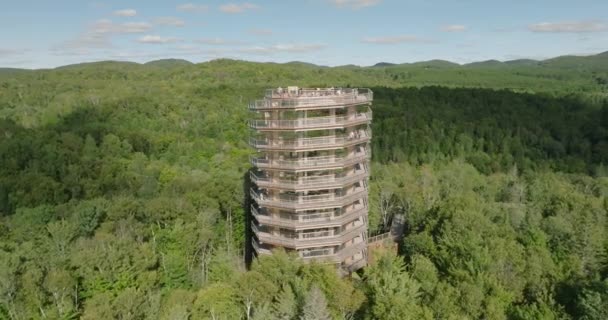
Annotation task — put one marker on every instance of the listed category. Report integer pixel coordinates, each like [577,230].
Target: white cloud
[195,50]
[192,7]
[219,42]
[569,27]
[11,52]
[101,26]
[188,49]
[156,39]
[135,55]
[83,43]
[521,57]
[505,29]
[125,13]
[59,51]
[396,40]
[105,26]
[97,5]
[355,4]
[169,21]
[260,32]
[98,36]
[277,48]
[454,28]
[133,27]
[21,63]
[88,40]
[179,51]
[238,8]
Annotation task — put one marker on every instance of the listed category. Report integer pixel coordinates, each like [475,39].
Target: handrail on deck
[279,93]
[307,162]
[296,221]
[302,239]
[313,98]
[305,199]
[310,122]
[380,237]
[313,180]
[359,136]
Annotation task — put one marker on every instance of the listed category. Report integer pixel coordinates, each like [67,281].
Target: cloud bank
[238,8]
[355,4]
[396,39]
[569,27]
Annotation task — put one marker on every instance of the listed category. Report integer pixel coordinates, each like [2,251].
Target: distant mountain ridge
[436,63]
[12,70]
[384,64]
[487,63]
[597,61]
[169,63]
[570,61]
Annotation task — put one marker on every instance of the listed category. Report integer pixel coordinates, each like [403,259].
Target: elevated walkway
[388,240]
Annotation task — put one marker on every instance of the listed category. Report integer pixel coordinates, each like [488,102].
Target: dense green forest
[122,190]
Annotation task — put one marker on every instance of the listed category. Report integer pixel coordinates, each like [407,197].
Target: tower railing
[308,202]
[332,257]
[282,93]
[337,256]
[314,122]
[355,265]
[309,162]
[318,142]
[309,192]
[319,182]
[296,221]
[301,239]
[257,248]
[310,98]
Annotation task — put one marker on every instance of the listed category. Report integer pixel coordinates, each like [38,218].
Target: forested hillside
[122,190]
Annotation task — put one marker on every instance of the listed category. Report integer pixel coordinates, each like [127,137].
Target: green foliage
[392,291]
[593,302]
[285,306]
[315,306]
[218,301]
[121,193]
[490,129]
[505,245]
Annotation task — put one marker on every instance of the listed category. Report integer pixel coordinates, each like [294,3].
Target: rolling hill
[169,63]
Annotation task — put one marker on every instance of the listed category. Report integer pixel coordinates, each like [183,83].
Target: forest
[122,190]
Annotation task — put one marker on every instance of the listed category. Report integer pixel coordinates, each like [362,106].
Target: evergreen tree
[315,305]
[285,306]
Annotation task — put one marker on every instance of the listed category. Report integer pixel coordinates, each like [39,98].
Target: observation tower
[311,171]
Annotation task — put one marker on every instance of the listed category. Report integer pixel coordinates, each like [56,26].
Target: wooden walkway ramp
[388,240]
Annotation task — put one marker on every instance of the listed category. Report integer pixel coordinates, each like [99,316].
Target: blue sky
[41,33]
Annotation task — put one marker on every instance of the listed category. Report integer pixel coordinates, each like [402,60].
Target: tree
[177,304]
[285,306]
[120,202]
[593,302]
[315,306]
[63,289]
[62,232]
[262,312]
[255,291]
[393,293]
[8,282]
[129,304]
[98,306]
[217,301]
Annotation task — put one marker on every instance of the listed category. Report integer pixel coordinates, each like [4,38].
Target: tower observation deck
[311,171]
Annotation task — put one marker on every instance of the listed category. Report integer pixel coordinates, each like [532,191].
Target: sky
[45,33]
